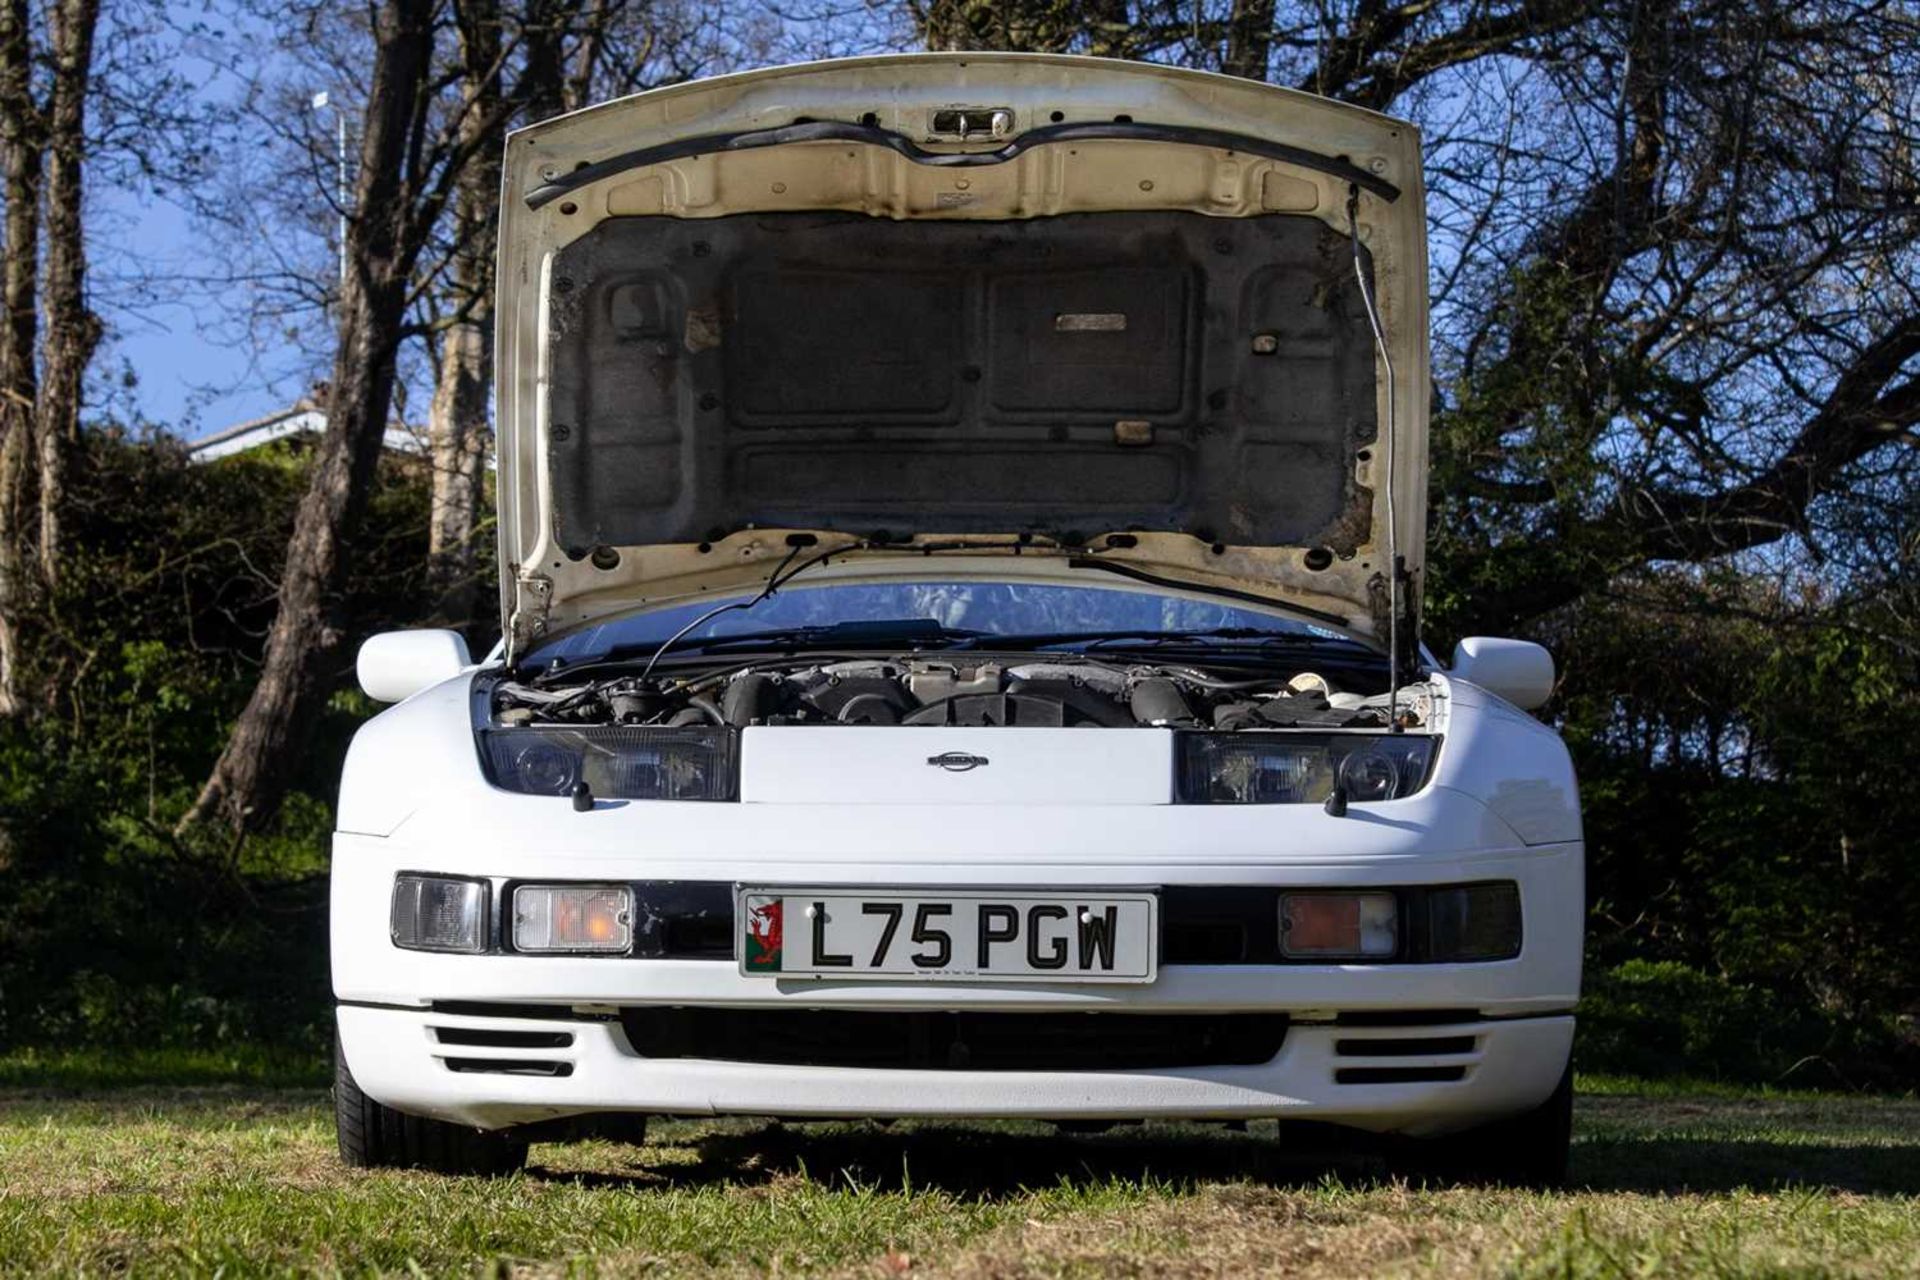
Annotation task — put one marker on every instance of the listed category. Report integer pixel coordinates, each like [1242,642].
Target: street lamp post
[322,101]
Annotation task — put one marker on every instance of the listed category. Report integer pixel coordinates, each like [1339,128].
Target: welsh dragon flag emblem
[763,934]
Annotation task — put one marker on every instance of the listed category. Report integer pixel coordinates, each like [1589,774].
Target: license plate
[946,935]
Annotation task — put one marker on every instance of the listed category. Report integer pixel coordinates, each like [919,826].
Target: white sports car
[961,550]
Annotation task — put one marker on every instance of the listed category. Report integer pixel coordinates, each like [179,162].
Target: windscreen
[995,608]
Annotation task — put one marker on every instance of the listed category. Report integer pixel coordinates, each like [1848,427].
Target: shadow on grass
[977,1164]
[1680,1164]
[969,1163]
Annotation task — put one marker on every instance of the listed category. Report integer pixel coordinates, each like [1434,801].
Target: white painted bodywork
[395,665]
[851,806]
[1502,804]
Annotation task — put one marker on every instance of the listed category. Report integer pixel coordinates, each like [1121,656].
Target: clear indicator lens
[1335,926]
[573,918]
[439,913]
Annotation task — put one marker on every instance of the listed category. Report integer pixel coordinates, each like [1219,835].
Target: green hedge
[1662,1018]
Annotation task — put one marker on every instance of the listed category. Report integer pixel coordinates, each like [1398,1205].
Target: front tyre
[373,1136]
[1527,1150]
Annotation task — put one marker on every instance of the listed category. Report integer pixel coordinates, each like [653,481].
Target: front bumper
[397,1057]
[1515,1012]
[1544,978]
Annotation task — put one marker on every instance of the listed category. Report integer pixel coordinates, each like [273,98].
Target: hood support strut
[900,143]
[1394,566]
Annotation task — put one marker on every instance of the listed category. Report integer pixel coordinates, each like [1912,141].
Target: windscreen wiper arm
[910,633]
[1261,639]
[1153,636]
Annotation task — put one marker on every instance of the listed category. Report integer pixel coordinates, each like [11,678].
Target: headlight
[439,913]
[615,762]
[1300,768]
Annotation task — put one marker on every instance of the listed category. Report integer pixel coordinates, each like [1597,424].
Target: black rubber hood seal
[873,135]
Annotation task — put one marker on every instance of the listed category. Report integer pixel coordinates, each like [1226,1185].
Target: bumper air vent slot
[487,1009]
[509,1067]
[941,1041]
[500,1038]
[1404,1047]
[1399,1075]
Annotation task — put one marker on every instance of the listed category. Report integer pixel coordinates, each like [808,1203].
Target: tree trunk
[72,331]
[458,429]
[458,432]
[1005,24]
[552,81]
[251,777]
[1249,39]
[19,270]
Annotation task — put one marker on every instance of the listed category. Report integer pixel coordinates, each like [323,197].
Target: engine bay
[1056,691]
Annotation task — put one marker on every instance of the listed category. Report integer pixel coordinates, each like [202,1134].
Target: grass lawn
[241,1179]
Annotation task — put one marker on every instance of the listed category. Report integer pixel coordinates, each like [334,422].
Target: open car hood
[1101,317]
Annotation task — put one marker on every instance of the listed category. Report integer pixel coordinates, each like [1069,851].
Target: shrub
[1663,1018]
[116,931]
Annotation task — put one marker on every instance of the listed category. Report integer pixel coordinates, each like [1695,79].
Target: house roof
[301,418]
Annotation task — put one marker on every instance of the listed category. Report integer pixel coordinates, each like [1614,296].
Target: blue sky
[180,352]
[197,365]
[153,269]
[189,379]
